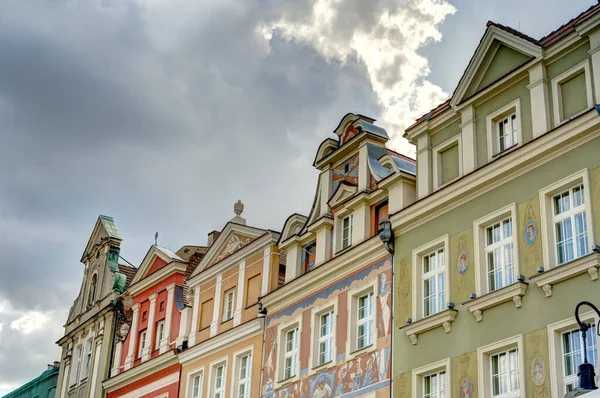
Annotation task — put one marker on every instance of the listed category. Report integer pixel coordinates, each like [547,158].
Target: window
[245,375]
[325,342]
[570,225]
[160,333]
[432,381]
[433,266]
[572,92]
[142,343]
[290,356]
[566,220]
[496,264]
[144,316]
[434,385]
[196,385]
[92,293]
[88,358]
[219,381]
[572,351]
[206,315]
[380,213]
[76,364]
[253,289]
[504,129]
[500,369]
[447,161]
[346,231]
[499,254]
[228,304]
[364,323]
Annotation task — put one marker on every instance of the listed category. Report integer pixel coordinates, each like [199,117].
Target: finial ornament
[238,208]
[156,239]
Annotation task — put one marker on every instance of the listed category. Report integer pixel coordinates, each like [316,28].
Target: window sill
[285,382]
[444,318]
[586,264]
[226,320]
[323,366]
[508,150]
[512,292]
[204,328]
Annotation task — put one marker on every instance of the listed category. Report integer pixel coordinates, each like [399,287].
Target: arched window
[92,294]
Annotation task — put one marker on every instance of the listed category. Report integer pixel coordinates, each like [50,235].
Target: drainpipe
[387,237]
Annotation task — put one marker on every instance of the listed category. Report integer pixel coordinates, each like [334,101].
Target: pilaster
[292,266]
[540,100]
[468,139]
[166,340]
[132,337]
[214,325]
[266,271]
[239,298]
[195,313]
[595,54]
[150,329]
[424,176]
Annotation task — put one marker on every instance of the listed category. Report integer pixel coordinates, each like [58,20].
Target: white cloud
[30,322]
[387,39]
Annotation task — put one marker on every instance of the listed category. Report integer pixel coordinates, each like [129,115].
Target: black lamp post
[586,373]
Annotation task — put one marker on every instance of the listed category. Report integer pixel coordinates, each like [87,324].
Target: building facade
[500,245]
[145,356]
[43,386]
[88,338]
[224,328]
[328,329]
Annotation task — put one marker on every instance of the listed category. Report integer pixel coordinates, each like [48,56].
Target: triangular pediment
[155,259]
[343,192]
[500,51]
[232,238]
[105,228]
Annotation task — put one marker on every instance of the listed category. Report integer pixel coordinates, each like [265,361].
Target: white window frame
[212,391]
[480,241]
[484,355]
[492,120]
[316,313]
[546,211]
[159,332]
[228,307]
[142,343]
[87,358]
[76,365]
[557,92]
[346,239]
[282,330]
[555,349]
[236,380]
[417,280]
[419,374]
[191,377]
[354,294]
[437,160]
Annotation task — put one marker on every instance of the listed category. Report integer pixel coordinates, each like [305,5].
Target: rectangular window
[434,385]
[206,314]
[219,381]
[76,366]
[196,385]
[253,289]
[346,231]
[447,161]
[505,374]
[433,279]
[572,353]
[570,224]
[290,356]
[325,343]
[229,298]
[160,333]
[88,358]
[572,92]
[142,343]
[506,132]
[245,375]
[364,321]
[499,254]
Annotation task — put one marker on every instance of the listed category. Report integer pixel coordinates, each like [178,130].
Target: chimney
[212,237]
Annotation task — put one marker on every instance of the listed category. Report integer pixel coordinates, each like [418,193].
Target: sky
[163,113]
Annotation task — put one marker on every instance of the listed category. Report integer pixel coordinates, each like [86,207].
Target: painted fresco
[462,274]
[347,171]
[464,375]
[530,243]
[350,376]
[536,361]
[350,132]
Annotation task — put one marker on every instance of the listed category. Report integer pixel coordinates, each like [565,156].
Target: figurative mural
[466,389]
[530,232]
[538,373]
[346,172]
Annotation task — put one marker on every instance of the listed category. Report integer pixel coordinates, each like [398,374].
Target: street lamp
[587,382]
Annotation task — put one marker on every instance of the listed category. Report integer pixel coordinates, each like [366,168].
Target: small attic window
[346,168]
[144,316]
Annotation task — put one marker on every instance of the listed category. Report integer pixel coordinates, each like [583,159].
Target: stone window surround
[316,312]
[483,363]
[437,161]
[235,370]
[479,227]
[281,330]
[547,227]
[419,374]
[556,92]
[354,294]
[555,353]
[191,375]
[491,129]
[212,373]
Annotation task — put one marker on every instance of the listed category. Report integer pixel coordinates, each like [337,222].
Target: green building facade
[43,386]
[499,247]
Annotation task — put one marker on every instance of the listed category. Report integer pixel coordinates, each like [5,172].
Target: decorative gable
[233,244]
[293,226]
[104,229]
[156,258]
[343,192]
[346,172]
[500,50]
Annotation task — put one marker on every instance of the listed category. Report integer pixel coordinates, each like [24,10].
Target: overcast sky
[162,113]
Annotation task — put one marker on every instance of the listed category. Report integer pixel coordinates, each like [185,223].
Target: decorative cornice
[512,292]
[588,264]
[144,369]
[444,318]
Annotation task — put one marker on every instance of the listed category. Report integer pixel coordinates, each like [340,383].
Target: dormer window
[504,129]
[346,231]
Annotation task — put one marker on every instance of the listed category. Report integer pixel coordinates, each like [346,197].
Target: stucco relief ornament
[462,262]
[233,244]
[530,232]
[538,372]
